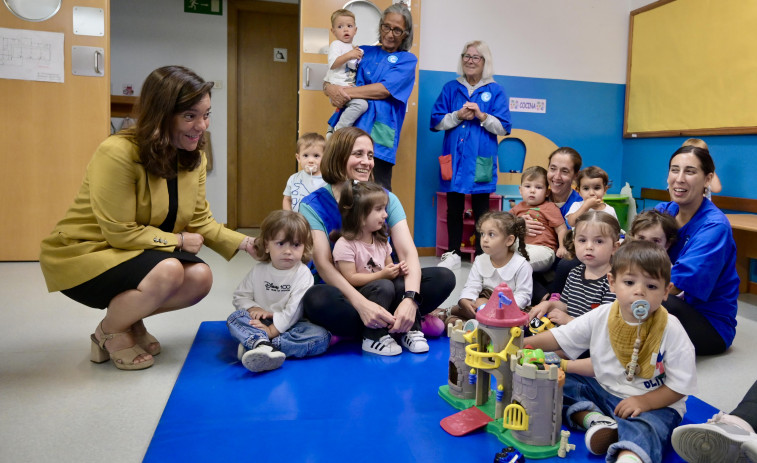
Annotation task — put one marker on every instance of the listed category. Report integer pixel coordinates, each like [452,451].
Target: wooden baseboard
[729,203]
[426,252]
[752,287]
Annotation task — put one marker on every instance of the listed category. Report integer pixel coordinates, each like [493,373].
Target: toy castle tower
[458,382]
[498,337]
[535,415]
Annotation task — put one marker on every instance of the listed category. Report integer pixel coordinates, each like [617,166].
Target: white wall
[583,40]
[148,34]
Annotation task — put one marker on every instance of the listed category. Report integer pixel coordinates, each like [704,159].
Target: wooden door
[49,132]
[263,125]
[315,108]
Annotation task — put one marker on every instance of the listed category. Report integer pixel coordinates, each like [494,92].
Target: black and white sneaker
[415,342]
[263,357]
[601,434]
[384,346]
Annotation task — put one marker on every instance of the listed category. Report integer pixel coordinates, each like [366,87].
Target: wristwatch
[414,295]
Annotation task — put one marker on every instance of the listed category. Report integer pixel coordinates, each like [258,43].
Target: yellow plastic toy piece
[510,348]
[515,418]
[491,360]
[471,336]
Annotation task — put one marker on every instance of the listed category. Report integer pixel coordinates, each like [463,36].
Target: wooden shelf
[122,106]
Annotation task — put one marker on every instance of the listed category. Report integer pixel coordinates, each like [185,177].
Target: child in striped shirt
[593,240]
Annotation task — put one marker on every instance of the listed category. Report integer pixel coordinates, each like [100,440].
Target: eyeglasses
[396,31]
[474,58]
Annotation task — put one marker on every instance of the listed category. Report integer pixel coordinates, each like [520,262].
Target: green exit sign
[203,6]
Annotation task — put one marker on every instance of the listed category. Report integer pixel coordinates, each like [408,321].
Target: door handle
[98,55]
[307,76]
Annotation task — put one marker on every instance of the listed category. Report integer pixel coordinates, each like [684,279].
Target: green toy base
[495,427]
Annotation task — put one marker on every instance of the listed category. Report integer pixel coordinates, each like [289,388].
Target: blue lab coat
[470,139]
[704,266]
[383,119]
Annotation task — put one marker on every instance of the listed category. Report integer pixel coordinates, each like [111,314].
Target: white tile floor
[55,405]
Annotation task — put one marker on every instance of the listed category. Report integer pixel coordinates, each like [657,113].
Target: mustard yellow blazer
[116,216]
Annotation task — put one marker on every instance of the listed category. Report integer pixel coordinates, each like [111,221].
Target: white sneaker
[450,260]
[601,434]
[722,438]
[384,346]
[749,449]
[415,342]
[263,357]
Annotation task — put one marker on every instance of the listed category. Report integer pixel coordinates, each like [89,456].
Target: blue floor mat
[339,407]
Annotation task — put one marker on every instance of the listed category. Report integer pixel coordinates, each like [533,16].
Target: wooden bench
[744,228]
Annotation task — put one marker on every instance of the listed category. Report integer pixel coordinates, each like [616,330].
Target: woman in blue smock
[385,77]
[703,256]
[471,110]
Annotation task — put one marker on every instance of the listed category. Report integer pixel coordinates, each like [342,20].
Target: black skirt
[99,291]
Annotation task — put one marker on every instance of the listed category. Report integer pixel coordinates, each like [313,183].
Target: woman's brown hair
[338,150]
[167,91]
[574,157]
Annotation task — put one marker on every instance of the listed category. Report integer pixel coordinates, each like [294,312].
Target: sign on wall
[203,6]
[528,105]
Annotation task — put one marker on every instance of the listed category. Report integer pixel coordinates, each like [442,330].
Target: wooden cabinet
[469,226]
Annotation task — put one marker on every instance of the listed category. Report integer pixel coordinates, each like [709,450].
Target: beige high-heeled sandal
[145,340]
[123,359]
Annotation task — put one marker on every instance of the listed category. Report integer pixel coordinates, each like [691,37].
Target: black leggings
[455,211]
[706,340]
[326,306]
[747,409]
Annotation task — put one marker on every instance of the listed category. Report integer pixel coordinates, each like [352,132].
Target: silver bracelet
[181,245]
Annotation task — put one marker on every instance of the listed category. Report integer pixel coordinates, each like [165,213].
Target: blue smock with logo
[704,266]
[383,119]
[469,139]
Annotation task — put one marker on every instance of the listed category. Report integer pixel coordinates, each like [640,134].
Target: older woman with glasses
[471,110]
[385,77]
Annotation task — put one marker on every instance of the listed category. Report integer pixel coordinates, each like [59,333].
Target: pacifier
[640,309]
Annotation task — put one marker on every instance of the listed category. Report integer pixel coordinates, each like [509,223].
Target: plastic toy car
[509,455]
[537,325]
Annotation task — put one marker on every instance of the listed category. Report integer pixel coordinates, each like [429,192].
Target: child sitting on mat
[268,321]
[642,360]
[363,256]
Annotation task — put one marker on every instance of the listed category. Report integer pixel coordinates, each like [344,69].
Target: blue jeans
[646,435]
[303,339]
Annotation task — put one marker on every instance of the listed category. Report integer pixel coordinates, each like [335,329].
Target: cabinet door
[49,132]
[315,110]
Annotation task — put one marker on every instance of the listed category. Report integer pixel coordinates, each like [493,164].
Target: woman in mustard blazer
[128,244]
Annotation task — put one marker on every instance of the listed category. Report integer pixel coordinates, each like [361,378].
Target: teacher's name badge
[392,59]
[486,96]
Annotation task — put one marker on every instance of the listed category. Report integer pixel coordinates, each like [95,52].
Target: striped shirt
[582,295]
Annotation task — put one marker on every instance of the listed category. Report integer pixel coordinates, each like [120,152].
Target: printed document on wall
[31,55]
